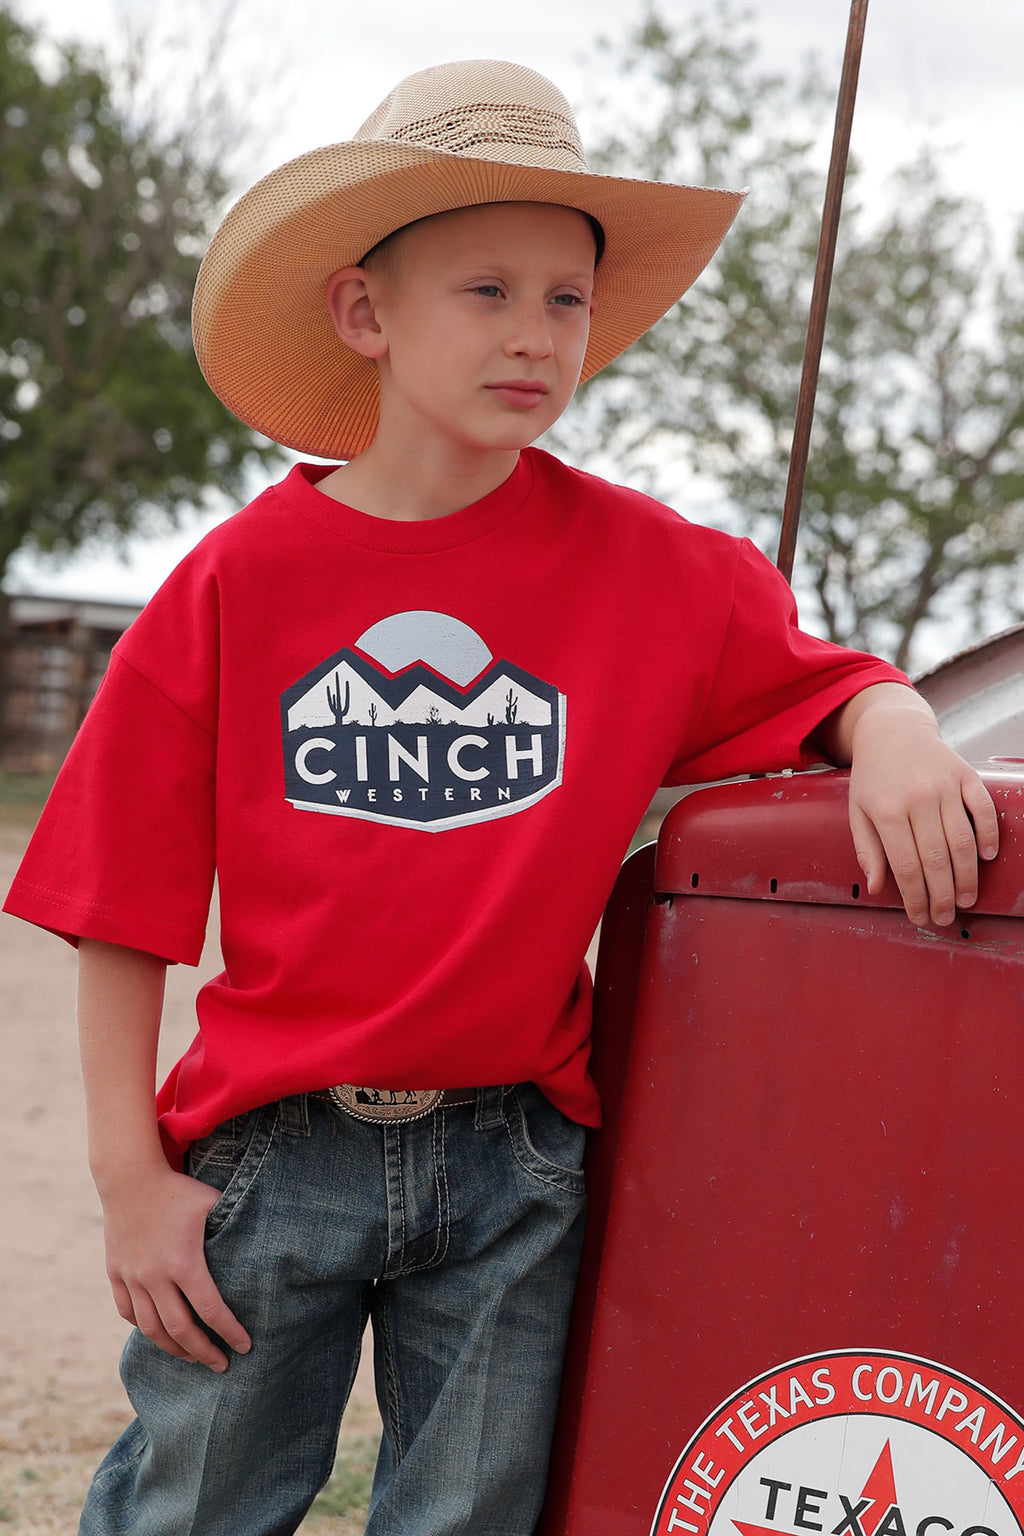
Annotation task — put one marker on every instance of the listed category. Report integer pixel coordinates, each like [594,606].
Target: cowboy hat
[478,131]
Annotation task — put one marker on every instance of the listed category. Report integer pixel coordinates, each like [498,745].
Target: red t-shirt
[414,753]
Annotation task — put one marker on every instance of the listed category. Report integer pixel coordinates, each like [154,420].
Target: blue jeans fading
[458,1235]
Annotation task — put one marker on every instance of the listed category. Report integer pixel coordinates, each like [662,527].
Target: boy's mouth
[523,393]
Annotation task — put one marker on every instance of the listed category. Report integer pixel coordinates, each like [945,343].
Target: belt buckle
[386,1106]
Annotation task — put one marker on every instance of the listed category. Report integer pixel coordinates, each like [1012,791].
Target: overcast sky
[944,68]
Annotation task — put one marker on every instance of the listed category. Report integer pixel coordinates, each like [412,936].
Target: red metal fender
[814,1157]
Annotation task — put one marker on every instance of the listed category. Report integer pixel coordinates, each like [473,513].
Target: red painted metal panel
[786,838]
[818,1146]
[616,980]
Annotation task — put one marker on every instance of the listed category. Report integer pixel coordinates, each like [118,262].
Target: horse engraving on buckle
[385,1104]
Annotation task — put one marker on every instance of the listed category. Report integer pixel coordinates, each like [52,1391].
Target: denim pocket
[547,1144]
[220,1149]
[229,1159]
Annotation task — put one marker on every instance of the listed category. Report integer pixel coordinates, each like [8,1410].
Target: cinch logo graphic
[856,1443]
[417,725]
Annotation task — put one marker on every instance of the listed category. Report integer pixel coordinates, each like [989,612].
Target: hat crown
[483,108]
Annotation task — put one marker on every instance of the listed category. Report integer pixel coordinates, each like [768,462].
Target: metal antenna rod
[822,284]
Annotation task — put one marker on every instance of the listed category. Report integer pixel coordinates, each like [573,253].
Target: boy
[475,666]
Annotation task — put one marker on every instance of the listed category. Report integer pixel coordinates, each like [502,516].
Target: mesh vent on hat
[470,129]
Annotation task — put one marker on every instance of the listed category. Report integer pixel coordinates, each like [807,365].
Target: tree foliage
[105,422]
[914,502]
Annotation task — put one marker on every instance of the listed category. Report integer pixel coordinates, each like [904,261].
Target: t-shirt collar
[417,537]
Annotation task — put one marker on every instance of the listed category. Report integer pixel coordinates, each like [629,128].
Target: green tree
[106,425]
[914,501]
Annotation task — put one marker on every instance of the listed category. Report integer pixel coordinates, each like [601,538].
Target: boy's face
[486,315]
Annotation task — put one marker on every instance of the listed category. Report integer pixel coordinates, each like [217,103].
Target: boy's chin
[501,443]
[520,433]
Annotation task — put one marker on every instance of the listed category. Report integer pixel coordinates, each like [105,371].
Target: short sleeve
[773,685]
[124,849]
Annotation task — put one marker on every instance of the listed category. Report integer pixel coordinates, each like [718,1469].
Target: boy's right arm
[154,1219]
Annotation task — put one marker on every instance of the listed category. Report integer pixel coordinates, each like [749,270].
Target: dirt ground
[61,1402]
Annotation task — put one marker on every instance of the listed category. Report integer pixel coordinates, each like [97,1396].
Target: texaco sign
[856,1443]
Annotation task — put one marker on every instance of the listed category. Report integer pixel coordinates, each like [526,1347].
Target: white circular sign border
[882,1408]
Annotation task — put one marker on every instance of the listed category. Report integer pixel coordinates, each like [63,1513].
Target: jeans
[458,1235]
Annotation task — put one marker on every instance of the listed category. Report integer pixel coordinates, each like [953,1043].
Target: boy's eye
[488,290]
[568,299]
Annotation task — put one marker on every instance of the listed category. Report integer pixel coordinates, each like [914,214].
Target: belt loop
[490,1112]
[293,1115]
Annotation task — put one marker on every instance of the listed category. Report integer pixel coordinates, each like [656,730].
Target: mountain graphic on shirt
[349,690]
[413,747]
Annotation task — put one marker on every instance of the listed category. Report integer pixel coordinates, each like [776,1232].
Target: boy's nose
[529,335]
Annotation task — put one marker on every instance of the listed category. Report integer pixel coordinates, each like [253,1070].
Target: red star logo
[877,1498]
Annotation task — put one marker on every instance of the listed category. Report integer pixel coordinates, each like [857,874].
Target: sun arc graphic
[444,644]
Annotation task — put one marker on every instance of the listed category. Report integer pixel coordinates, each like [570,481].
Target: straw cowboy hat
[460,134]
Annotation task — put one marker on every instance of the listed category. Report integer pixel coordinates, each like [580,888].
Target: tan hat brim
[263,335]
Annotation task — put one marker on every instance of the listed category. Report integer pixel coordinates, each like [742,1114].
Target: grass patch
[347,1491]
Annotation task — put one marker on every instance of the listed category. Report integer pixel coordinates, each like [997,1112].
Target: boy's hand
[154,1222]
[914,802]
[154,1219]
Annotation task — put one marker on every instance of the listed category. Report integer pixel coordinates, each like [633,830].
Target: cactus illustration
[373,714]
[434,715]
[511,707]
[490,719]
[339,710]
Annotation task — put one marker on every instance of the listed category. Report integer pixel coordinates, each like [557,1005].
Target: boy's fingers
[983,814]
[204,1297]
[123,1301]
[918,860]
[963,851]
[883,846]
[949,846]
[933,888]
[919,903]
[167,1315]
[187,1337]
[150,1322]
[868,847]
[930,823]
[159,1275]
[210,1306]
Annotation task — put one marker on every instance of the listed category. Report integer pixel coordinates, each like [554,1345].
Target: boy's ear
[351,309]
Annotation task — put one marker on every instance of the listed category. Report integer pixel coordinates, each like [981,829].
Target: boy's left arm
[914,802]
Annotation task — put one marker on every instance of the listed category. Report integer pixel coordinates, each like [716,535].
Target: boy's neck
[414,487]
